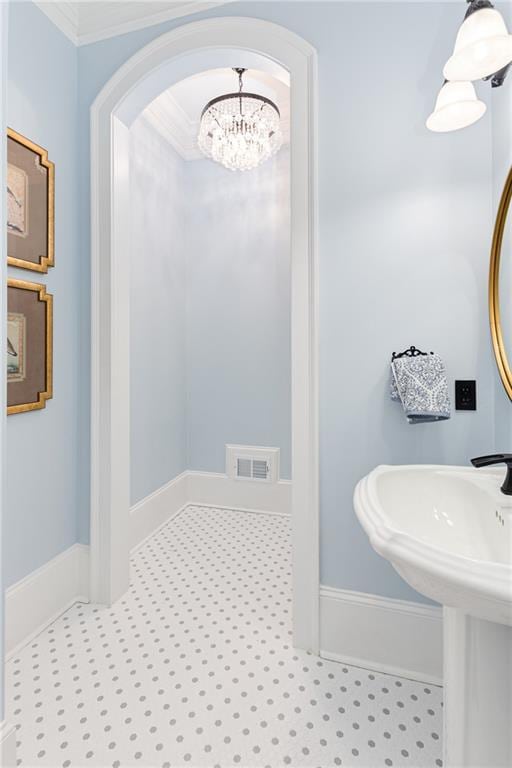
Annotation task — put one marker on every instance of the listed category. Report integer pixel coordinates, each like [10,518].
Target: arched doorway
[181,53]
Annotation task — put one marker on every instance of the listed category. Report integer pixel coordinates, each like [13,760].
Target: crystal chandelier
[240,130]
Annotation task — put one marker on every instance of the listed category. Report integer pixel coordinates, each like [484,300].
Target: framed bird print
[29,346]
[30,204]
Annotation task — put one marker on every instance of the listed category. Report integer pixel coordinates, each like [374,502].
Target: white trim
[138,544]
[35,601]
[170,120]
[8,757]
[397,637]
[208,489]
[109,337]
[214,489]
[386,635]
[156,509]
[102,29]
[64,15]
[110,368]
[7,745]
[4,27]
[98,21]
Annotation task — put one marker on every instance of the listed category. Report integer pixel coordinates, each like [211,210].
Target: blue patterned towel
[420,383]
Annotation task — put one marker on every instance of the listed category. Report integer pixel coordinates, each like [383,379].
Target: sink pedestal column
[477,692]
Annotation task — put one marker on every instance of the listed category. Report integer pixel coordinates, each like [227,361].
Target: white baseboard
[208,488]
[35,601]
[219,490]
[7,745]
[149,514]
[392,636]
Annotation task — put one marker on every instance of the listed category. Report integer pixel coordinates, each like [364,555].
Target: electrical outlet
[465,395]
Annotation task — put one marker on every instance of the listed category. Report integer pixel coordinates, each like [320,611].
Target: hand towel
[420,383]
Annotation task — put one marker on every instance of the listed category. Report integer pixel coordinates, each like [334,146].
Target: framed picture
[30,204]
[29,346]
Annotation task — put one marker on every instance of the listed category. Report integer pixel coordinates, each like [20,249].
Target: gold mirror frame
[494,287]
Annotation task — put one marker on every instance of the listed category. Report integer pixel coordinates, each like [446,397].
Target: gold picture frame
[30,204]
[498,342]
[30,323]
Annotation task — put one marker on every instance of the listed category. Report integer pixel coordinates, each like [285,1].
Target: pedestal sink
[448,533]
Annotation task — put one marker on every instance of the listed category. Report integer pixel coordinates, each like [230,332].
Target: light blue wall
[405,221]
[238,310]
[43,468]
[157,312]
[210,311]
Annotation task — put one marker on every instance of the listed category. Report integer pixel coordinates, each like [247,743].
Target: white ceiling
[87,21]
[176,112]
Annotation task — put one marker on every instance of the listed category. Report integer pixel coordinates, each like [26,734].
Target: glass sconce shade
[483,46]
[456,107]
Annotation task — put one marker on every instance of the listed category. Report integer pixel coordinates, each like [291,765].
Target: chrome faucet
[497,458]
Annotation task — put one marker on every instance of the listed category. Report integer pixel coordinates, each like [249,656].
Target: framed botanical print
[29,346]
[30,204]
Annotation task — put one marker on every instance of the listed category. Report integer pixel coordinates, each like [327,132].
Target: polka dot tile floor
[194,667]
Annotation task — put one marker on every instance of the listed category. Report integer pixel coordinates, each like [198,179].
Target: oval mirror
[500,287]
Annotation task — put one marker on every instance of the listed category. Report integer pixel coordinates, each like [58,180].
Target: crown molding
[168,118]
[91,22]
[121,18]
[64,15]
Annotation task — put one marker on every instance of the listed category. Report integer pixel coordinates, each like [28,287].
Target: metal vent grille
[252,469]
[260,469]
[244,468]
[252,462]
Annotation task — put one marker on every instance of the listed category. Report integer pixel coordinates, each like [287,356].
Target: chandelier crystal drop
[240,130]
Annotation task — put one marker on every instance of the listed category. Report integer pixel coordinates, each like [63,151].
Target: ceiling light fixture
[456,107]
[240,130]
[483,46]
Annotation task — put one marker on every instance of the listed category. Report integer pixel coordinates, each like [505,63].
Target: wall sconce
[483,50]
[483,45]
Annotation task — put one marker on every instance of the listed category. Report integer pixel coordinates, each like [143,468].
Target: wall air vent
[247,462]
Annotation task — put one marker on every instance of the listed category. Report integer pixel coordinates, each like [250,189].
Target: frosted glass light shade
[456,107]
[483,46]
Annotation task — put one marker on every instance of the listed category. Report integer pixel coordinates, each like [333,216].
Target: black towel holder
[411,352]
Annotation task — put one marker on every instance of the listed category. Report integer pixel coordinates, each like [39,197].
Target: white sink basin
[446,530]
[448,533]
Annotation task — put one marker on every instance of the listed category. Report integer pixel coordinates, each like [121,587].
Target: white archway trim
[110,460]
